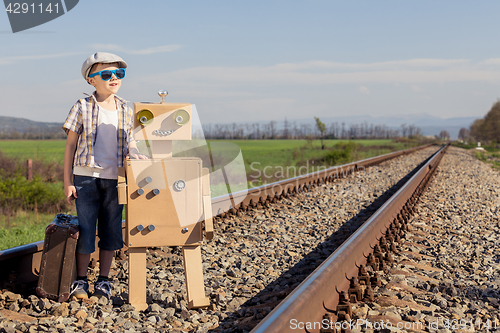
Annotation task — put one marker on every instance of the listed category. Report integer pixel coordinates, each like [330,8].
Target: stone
[14,307]
[360,313]
[15,316]
[81,315]
[234,304]
[62,310]
[155,308]
[102,301]
[185,314]
[87,326]
[169,311]
[127,307]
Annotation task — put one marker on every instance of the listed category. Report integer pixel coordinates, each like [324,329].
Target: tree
[463,134]
[322,130]
[444,135]
[476,128]
[286,133]
[488,128]
[404,129]
[491,124]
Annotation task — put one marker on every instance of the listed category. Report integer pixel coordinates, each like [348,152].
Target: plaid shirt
[82,119]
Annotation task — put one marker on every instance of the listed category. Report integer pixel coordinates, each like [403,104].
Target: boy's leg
[87,207]
[80,287]
[110,233]
[82,263]
[105,260]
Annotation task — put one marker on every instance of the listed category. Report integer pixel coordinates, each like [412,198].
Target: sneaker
[103,289]
[80,289]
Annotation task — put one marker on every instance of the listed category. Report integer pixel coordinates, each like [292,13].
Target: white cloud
[397,64]
[150,50]
[364,90]
[412,71]
[11,60]
[416,88]
[492,61]
[108,47]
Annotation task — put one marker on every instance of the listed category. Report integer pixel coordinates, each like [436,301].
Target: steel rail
[317,294]
[19,265]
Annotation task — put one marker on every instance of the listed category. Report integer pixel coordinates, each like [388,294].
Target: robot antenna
[162,94]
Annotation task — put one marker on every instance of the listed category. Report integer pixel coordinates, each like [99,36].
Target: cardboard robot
[167,199]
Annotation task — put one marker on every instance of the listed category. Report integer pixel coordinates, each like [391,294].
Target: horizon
[426,124]
[262,61]
[276,120]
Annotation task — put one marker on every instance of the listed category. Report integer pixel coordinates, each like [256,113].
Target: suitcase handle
[51,228]
[74,232]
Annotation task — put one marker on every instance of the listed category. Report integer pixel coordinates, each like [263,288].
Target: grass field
[28,227]
[252,150]
[45,150]
[291,152]
[24,228]
[490,154]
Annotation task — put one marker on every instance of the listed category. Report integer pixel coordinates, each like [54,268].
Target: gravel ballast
[254,260]
[447,273]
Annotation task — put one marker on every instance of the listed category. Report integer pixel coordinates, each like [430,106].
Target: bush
[48,172]
[481,156]
[342,153]
[17,193]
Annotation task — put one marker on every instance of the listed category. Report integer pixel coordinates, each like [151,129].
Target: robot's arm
[207,204]
[122,186]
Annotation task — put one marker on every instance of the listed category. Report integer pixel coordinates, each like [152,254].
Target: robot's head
[162,121]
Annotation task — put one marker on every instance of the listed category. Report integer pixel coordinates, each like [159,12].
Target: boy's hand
[135,155]
[70,192]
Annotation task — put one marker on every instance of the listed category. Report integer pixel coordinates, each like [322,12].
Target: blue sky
[244,61]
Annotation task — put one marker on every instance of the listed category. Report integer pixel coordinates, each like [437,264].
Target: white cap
[101,57]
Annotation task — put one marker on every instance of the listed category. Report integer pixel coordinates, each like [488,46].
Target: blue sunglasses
[106,75]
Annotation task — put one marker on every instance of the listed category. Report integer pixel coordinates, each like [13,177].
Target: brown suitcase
[58,264]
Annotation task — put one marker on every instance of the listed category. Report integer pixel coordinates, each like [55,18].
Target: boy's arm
[133,152]
[69,154]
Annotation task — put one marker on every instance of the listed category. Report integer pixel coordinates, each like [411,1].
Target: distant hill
[22,125]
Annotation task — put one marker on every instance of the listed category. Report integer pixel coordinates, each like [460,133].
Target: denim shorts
[97,200]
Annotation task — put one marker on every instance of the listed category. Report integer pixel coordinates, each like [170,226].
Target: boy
[99,138]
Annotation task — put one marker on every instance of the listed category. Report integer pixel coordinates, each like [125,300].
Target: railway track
[325,296]
[22,263]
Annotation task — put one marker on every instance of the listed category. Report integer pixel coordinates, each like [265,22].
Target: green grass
[16,236]
[291,152]
[490,154]
[268,152]
[45,150]
[24,228]
[492,158]
[488,147]
[278,156]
